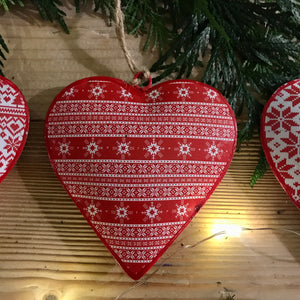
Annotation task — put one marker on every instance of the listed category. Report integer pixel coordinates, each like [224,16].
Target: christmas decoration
[139,163]
[248,48]
[280,134]
[14,123]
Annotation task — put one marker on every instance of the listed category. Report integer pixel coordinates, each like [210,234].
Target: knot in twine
[120,31]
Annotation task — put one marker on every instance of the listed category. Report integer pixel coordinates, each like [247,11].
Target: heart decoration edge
[142,92]
[26,129]
[264,142]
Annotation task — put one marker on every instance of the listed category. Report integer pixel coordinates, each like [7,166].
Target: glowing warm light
[230,230]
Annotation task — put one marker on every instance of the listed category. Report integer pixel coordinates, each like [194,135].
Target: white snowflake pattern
[118,168]
[72,189]
[214,151]
[82,190]
[118,192]
[184,149]
[183,92]
[211,94]
[130,192]
[107,128]
[94,190]
[169,108]
[153,231]
[155,95]
[118,231]
[152,212]
[92,210]
[154,192]
[201,190]
[81,168]
[192,169]
[70,93]
[216,169]
[181,210]
[121,212]
[125,94]
[153,148]
[143,169]
[141,232]
[155,169]
[191,191]
[92,148]
[141,193]
[97,91]
[93,168]
[169,169]
[167,192]
[106,168]
[123,148]
[130,169]
[168,129]
[64,148]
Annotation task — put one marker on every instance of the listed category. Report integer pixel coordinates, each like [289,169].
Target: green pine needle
[260,169]
[2,55]
[6,3]
[49,10]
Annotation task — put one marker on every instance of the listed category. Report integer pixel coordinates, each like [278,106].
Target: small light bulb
[233,230]
[230,230]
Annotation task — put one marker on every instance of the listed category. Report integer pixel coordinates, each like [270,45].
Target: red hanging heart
[139,164]
[280,136]
[14,123]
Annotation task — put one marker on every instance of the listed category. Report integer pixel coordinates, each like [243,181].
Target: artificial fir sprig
[260,169]
[254,48]
[147,17]
[2,55]
[7,3]
[49,10]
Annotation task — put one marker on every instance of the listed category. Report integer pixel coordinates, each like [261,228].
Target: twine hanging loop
[140,73]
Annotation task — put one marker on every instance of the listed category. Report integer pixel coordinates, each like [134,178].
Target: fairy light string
[184,247]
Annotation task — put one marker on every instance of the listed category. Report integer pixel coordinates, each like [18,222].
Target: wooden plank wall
[47,249]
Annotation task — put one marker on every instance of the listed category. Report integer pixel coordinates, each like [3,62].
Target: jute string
[120,31]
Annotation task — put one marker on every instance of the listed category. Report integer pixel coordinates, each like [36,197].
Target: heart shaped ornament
[139,163]
[280,136]
[14,124]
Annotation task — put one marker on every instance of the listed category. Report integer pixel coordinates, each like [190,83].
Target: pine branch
[2,55]
[6,3]
[185,50]
[107,7]
[147,17]
[260,169]
[49,10]
[254,47]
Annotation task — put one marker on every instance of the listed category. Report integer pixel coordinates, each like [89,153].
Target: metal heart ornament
[139,163]
[14,124]
[280,136]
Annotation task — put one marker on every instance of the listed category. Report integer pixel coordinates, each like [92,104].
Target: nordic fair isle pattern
[280,135]
[14,123]
[139,164]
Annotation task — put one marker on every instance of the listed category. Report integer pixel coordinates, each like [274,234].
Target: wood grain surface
[43,59]
[47,249]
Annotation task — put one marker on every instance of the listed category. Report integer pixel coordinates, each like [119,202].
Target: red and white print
[280,134]
[14,123]
[139,164]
